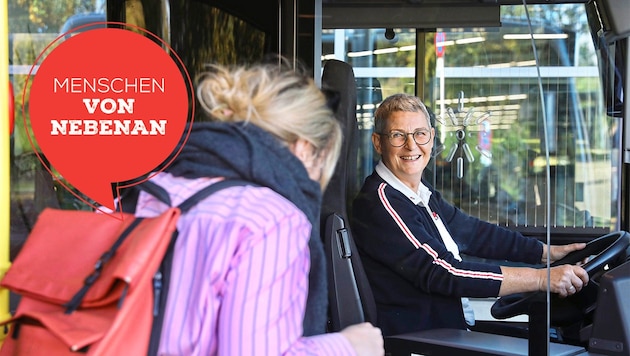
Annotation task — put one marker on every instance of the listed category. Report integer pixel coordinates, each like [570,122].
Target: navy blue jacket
[417,283]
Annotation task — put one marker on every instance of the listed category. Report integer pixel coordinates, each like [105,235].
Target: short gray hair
[398,102]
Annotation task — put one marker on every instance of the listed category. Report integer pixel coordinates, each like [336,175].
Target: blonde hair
[282,102]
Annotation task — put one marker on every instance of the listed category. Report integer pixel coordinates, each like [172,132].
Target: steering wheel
[604,249]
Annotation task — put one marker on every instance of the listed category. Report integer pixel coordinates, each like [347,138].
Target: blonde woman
[248,275]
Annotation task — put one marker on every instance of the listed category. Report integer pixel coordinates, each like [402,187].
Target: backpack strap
[157,191]
[130,197]
[76,300]
[207,191]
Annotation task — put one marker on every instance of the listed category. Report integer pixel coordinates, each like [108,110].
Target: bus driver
[410,239]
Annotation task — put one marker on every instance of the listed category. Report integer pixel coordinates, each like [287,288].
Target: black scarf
[245,151]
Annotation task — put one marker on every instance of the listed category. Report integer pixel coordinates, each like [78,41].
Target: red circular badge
[108,105]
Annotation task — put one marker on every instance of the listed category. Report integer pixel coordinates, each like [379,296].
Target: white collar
[419,198]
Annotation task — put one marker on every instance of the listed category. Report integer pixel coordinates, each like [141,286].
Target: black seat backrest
[350,296]
[338,77]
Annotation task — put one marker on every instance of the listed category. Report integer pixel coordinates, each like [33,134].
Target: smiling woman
[397,118]
[403,224]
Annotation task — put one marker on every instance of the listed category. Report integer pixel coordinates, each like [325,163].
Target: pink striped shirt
[240,275]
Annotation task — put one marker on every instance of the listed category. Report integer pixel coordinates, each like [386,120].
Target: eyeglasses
[399,138]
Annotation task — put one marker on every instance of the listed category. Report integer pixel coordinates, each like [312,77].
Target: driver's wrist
[545,253]
[542,280]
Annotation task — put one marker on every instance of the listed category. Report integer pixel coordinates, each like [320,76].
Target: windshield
[495,121]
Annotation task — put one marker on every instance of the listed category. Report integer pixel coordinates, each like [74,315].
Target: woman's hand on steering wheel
[602,250]
[556,252]
[565,280]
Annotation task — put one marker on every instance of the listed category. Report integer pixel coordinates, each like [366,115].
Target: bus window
[33,188]
[196,31]
[494,123]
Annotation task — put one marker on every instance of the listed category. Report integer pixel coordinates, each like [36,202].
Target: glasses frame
[413,135]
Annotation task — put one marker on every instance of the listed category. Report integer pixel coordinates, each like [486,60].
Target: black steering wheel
[604,249]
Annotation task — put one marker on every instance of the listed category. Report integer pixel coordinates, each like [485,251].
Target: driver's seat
[350,296]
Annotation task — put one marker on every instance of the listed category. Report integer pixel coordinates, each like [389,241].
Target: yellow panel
[4,160]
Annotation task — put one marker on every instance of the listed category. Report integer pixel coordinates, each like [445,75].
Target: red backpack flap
[56,257]
[51,269]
